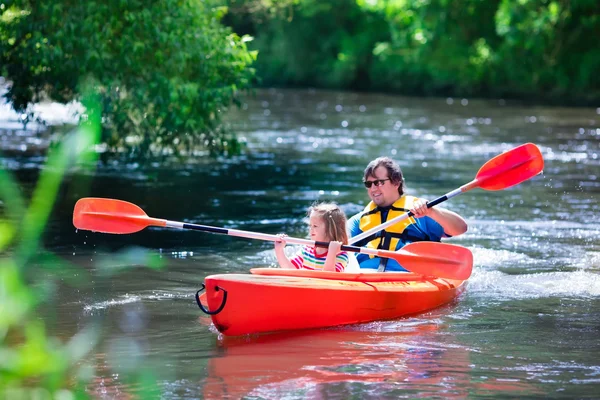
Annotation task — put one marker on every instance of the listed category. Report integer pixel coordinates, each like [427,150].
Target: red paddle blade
[511,168]
[111,216]
[441,260]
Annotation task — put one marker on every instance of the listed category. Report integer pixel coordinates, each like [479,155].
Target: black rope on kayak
[205,310]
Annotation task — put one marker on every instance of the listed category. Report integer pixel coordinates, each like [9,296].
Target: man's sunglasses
[376,182]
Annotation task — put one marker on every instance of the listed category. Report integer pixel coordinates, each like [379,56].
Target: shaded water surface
[526,327]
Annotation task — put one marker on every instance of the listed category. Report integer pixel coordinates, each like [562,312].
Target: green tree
[550,48]
[537,49]
[310,42]
[435,46]
[166,70]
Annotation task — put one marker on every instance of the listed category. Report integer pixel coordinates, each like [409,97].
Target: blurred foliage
[33,363]
[532,49]
[166,70]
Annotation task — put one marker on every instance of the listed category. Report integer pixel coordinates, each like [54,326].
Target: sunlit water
[528,325]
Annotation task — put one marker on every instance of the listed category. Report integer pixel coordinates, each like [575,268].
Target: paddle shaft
[265,236]
[399,255]
[464,188]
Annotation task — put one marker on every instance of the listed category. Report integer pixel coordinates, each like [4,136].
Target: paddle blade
[511,168]
[111,216]
[441,260]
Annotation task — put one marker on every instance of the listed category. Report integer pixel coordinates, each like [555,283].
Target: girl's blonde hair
[333,218]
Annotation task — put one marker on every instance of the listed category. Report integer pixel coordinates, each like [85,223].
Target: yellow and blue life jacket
[396,236]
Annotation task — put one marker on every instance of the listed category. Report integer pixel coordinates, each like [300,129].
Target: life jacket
[395,236]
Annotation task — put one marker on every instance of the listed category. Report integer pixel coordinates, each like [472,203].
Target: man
[385,185]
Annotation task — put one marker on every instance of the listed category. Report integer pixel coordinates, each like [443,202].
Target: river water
[527,326]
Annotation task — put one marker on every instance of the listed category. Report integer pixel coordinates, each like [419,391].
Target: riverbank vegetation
[167,71]
[540,50]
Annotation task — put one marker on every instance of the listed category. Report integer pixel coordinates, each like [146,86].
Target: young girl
[327,223]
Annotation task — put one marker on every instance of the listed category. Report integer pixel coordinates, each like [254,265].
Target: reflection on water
[527,324]
[342,363]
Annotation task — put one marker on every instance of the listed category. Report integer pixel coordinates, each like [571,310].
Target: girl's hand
[332,252]
[280,242]
[334,247]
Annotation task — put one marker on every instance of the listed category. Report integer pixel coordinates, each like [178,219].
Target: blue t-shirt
[426,228]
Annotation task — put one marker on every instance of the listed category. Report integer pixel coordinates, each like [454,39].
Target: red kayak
[274,299]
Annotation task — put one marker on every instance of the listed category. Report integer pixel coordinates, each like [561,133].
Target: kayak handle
[205,310]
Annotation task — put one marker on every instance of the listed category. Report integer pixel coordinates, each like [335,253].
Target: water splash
[128,299]
[501,286]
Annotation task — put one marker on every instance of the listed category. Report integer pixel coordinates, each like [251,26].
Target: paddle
[501,172]
[121,217]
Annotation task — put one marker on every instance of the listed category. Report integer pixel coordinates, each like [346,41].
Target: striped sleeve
[298,260]
[341,260]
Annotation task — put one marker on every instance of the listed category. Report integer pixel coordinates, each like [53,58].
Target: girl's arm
[282,259]
[332,251]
